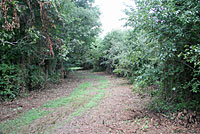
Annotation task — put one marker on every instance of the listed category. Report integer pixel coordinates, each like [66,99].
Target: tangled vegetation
[40,40]
[160,49]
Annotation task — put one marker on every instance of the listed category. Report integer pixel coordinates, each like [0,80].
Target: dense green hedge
[39,41]
[162,49]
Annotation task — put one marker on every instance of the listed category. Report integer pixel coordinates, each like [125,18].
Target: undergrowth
[161,105]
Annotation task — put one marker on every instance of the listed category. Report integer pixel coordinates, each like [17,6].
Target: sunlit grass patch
[76,68]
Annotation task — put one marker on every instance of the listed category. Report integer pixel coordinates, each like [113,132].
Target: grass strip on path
[80,97]
[87,103]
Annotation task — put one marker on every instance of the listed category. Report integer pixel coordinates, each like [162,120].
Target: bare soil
[120,112]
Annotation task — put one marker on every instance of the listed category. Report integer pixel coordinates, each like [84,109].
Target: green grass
[104,84]
[87,103]
[76,94]
[81,99]
[11,126]
[92,103]
[76,68]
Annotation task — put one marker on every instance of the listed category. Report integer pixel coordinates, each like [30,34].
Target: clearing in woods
[85,103]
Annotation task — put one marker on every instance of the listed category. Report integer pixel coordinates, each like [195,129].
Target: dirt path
[88,103]
[117,113]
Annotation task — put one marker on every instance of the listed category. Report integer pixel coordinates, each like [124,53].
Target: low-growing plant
[10,81]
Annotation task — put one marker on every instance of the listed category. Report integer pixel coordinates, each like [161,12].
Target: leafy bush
[36,78]
[40,40]
[10,81]
[161,48]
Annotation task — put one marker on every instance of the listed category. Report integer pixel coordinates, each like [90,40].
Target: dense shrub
[10,81]
[40,40]
[161,48]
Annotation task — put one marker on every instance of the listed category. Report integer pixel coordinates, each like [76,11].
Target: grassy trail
[54,113]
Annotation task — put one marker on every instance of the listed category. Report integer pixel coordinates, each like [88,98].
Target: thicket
[40,39]
[161,49]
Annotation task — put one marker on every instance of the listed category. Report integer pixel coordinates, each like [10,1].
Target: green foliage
[36,78]
[43,39]
[95,57]
[10,80]
[163,106]
[161,48]
[104,53]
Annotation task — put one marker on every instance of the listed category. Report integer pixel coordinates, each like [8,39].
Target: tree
[38,39]
[161,49]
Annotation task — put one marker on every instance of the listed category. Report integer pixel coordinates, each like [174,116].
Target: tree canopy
[161,49]
[42,39]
